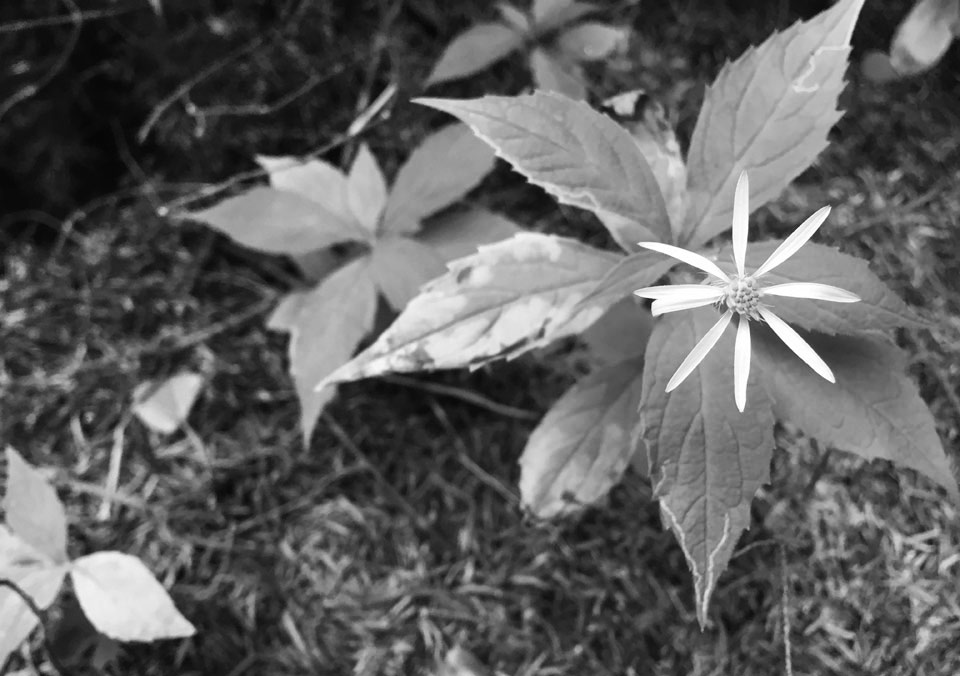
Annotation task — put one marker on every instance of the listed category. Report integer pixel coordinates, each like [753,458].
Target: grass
[398,533]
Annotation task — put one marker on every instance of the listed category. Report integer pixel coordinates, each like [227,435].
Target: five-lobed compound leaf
[768,113]
[279,221]
[473,50]
[33,511]
[366,189]
[33,572]
[399,266]
[445,167]
[553,72]
[461,232]
[873,409]
[318,181]
[123,600]
[326,324]
[584,443]
[878,311]
[706,459]
[578,155]
[163,406]
[501,301]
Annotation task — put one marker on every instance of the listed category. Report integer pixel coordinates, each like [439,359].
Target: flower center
[743,297]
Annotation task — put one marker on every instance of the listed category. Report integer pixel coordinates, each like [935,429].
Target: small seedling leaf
[33,511]
[123,600]
[366,189]
[163,406]
[879,310]
[506,299]
[279,222]
[474,50]
[332,320]
[593,41]
[873,410]
[460,233]
[583,444]
[578,155]
[706,459]
[399,266]
[768,113]
[444,168]
[552,72]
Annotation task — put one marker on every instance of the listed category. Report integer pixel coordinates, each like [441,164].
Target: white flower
[742,295]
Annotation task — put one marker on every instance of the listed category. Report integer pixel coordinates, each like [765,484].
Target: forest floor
[398,534]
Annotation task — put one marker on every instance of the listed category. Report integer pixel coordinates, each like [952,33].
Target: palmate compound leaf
[878,311]
[873,410]
[509,297]
[705,458]
[399,266]
[768,113]
[325,324]
[37,575]
[473,50]
[163,406]
[32,509]
[366,189]
[584,443]
[445,167]
[578,155]
[123,600]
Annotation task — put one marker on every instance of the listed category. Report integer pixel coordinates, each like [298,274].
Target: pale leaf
[442,169]
[399,266]
[279,222]
[460,233]
[163,406]
[461,662]
[593,41]
[474,50]
[768,113]
[32,509]
[123,600]
[578,155]
[583,444]
[331,321]
[318,181]
[548,15]
[706,458]
[924,36]
[553,73]
[366,189]
[499,302]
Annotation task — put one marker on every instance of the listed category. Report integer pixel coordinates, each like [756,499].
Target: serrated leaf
[593,41]
[163,406]
[551,14]
[580,156]
[621,333]
[553,73]
[583,444]
[444,168]
[495,303]
[706,459]
[460,233]
[768,113]
[924,36]
[318,181]
[366,189]
[278,222]
[37,575]
[873,410]
[399,266]
[332,320]
[32,509]
[879,310]
[474,50]
[123,600]
[629,274]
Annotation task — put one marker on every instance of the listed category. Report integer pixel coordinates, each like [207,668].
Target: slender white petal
[741,219]
[796,240]
[741,363]
[689,257]
[677,291]
[811,290]
[665,305]
[700,350]
[799,346]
